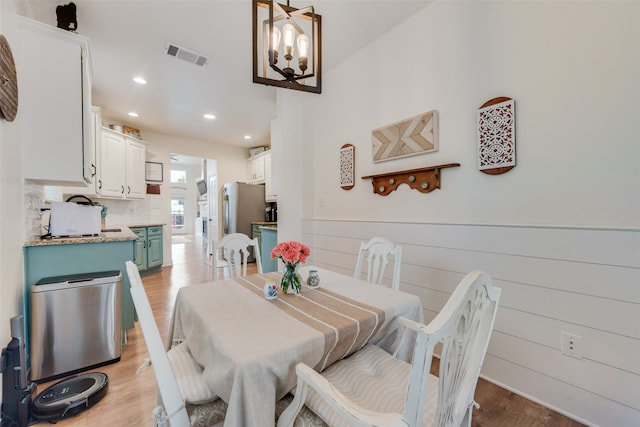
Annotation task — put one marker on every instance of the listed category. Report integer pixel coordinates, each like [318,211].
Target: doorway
[177,215]
[194,198]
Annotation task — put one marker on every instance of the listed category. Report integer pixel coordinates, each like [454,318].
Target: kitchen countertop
[152,224]
[123,234]
[264,223]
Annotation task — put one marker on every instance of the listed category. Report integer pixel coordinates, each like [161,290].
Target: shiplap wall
[584,281]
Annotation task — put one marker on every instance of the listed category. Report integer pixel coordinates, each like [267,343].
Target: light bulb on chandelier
[289,36]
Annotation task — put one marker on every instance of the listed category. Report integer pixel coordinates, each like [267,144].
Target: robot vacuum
[69,397]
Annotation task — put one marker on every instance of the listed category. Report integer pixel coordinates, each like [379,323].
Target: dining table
[249,345]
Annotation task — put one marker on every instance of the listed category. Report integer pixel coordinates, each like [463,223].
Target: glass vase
[291,281]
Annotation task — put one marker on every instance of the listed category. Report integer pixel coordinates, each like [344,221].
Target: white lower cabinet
[120,166]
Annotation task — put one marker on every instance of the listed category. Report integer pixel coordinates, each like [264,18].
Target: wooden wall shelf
[424,180]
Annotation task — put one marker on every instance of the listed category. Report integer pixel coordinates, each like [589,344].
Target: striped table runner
[347,324]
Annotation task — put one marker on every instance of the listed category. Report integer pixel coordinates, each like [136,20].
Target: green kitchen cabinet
[50,260]
[269,241]
[256,233]
[154,249]
[141,248]
[149,247]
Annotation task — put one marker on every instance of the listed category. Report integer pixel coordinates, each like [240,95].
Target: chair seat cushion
[373,379]
[207,414]
[305,417]
[189,376]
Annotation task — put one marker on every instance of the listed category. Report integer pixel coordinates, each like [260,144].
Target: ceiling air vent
[174,50]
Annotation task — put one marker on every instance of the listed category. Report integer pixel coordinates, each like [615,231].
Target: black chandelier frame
[290,79]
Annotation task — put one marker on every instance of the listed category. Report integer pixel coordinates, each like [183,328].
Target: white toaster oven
[72,219]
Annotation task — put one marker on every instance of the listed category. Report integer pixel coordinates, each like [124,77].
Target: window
[178,176]
[177,212]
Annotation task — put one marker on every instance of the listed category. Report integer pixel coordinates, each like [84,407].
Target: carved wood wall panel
[417,135]
[497,136]
[347,166]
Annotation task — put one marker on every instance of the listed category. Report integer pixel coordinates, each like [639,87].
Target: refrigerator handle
[225,202]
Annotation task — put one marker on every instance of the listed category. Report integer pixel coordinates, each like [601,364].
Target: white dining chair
[234,250]
[373,388]
[185,399]
[376,252]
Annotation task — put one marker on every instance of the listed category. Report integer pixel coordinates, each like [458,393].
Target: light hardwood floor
[131,397]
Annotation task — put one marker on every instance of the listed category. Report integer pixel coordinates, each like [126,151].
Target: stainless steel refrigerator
[241,204]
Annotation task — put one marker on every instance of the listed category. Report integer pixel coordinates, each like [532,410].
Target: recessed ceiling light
[247,137]
[140,80]
[133,114]
[209,116]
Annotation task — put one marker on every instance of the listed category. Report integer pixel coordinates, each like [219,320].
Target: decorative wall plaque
[417,135]
[497,136]
[8,82]
[153,171]
[347,166]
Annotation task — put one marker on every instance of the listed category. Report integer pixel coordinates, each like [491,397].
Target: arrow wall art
[417,135]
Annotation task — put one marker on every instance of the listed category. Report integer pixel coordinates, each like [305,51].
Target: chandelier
[286,46]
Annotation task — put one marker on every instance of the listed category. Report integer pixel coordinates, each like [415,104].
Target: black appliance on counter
[271,212]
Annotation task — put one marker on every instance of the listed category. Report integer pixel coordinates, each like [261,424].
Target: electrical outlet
[571,345]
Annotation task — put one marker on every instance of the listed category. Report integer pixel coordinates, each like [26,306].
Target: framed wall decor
[8,82]
[347,166]
[497,136]
[153,172]
[416,135]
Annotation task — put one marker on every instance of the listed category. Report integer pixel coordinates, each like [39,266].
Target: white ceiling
[128,38]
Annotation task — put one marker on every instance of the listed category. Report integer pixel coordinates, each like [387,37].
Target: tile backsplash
[34,202]
[119,212]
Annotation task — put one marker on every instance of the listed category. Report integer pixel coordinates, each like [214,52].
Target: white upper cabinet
[269,189]
[259,172]
[54,111]
[120,166]
[136,185]
[255,169]
[112,171]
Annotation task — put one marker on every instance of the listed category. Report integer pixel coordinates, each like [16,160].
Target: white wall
[560,232]
[11,202]
[290,173]
[572,69]
[581,281]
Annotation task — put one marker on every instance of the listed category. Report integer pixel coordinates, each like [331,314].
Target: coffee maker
[271,212]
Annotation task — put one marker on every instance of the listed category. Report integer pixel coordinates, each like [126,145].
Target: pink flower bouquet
[291,253]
